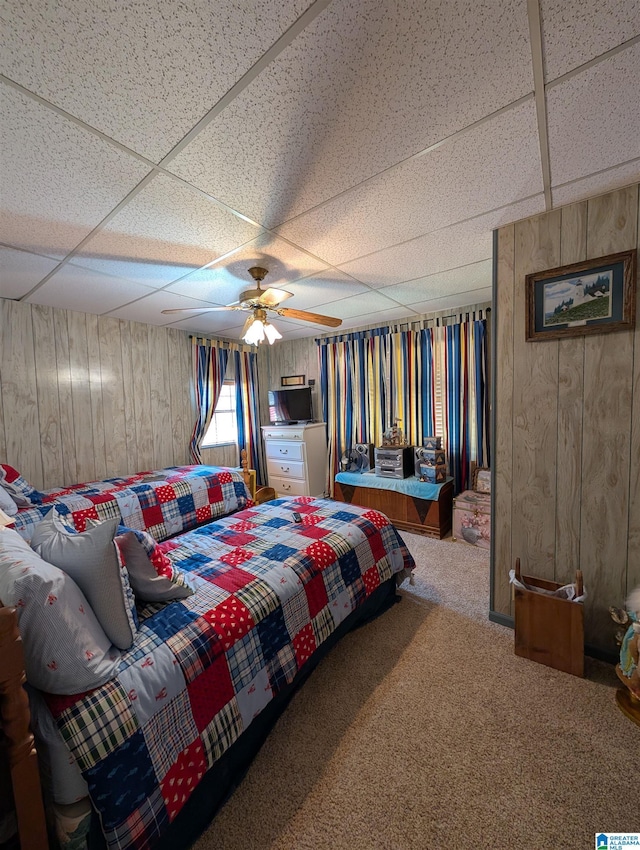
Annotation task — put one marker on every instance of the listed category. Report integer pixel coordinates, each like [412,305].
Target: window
[224,425]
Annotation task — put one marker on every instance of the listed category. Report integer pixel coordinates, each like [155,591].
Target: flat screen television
[286,407]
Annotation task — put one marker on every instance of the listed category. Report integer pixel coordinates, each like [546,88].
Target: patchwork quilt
[162,502]
[269,591]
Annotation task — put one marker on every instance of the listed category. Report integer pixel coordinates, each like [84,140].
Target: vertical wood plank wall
[567,420]
[84,397]
[292,357]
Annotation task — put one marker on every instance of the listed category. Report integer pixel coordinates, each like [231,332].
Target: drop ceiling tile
[59,181]
[144,72]
[148,273]
[492,165]
[222,282]
[362,305]
[20,271]
[454,246]
[165,223]
[325,288]
[364,86]
[455,302]
[594,117]
[149,308]
[576,31]
[597,184]
[301,332]
[439,285]
[72,288]
[377,319]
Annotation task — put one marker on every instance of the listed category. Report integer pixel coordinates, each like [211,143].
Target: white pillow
[65,649]
[92,560]
[7,504]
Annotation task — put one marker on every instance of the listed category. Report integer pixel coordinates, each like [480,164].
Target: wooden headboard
[21,762]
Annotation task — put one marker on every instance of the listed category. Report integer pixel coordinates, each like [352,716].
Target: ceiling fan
[257,301]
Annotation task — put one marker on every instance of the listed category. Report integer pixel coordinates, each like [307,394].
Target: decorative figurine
[628,669]
[393,436]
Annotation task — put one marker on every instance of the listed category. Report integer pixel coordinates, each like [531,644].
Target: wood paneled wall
[567,422]
[85,397]
[291,357]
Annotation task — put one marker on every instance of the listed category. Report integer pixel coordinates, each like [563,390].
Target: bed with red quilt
[164,739]
[162,502]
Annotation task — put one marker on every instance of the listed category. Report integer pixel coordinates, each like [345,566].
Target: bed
[163,502]
[165,736]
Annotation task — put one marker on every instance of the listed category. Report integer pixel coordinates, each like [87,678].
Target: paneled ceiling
[362,151]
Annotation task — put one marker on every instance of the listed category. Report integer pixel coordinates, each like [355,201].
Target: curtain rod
[394,328]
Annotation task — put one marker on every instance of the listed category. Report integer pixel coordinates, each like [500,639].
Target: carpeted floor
[423,731]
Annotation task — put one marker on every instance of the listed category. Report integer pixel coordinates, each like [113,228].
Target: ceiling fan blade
[200,309]
[272,297]
[310,317]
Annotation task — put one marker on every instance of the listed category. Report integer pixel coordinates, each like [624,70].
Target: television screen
[292,405]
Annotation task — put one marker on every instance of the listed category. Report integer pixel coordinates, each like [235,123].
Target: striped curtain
[354,381]
[412,384]
[464,375]
[429,381]
[247,395]
[209,367]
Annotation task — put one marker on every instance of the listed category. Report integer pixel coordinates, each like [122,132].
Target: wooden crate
[548,629]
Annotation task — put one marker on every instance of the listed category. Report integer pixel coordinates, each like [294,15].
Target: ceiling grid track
[203,239]
[535,33]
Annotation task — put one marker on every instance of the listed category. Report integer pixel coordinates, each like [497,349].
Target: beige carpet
[422,730]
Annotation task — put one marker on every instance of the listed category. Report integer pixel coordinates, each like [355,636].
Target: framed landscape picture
[596,296]
[292,381]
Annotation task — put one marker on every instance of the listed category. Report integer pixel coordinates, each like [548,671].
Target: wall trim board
[502,619]
[591,651]
[492,420]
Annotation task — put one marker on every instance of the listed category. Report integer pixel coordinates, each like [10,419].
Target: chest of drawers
[296,458]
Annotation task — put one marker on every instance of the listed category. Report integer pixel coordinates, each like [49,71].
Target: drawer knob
[286,486]
[284,469]
[284,451]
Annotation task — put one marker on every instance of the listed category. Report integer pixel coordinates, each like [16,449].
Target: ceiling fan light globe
[254,333]
[247,325]
[272,333]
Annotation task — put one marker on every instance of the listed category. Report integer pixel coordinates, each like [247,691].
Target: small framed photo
[481,482]
[292,381]
[593,297]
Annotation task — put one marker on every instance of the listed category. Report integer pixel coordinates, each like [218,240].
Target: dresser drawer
[288,433]
[285,468]
[288,486]
[288,451]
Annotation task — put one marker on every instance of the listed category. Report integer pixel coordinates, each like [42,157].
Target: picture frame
[292,381]
[481,480]
[592,297]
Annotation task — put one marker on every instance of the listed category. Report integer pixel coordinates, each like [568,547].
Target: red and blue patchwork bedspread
[269,592]
[162,502]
